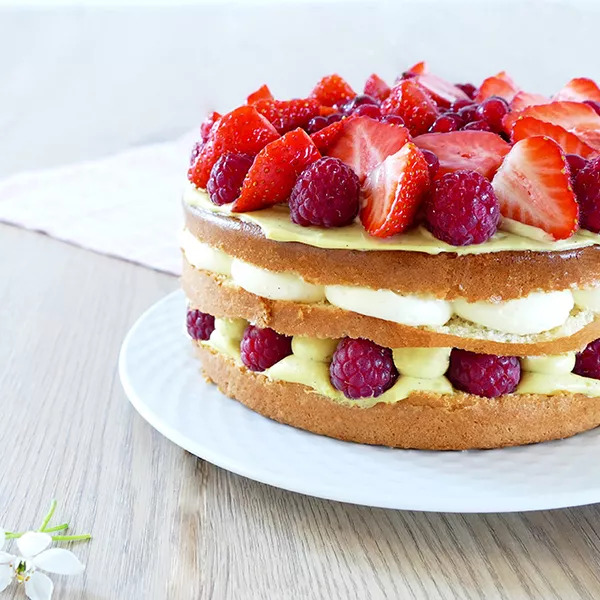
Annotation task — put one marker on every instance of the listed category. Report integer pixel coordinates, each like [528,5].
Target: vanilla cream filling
[420,369]
[536,313]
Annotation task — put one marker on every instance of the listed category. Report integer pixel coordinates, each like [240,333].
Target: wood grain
[169,526]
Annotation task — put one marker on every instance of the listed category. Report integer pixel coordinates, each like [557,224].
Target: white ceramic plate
[163,381]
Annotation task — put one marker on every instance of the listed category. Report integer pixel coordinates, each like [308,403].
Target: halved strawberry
[365,143]
[524,99]
[286,115]
[325,111]
[480,151]
[578,118]
[443,92]
[274,171]
[377,87]
[527,127]
[262,93]
[419,69]
[326,137]
[533,187]
[506,77]
[579,90]
[497,86]
[393,192]
[410,101]
[243,131]
[332,89]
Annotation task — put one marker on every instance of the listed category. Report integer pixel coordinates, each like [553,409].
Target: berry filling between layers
[423,154]
[360,371]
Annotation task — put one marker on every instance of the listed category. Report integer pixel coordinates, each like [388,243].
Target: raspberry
[227,176]
[207,124]
[318,123]
[492,111]
[199,325]
[262,348]
[576,163]
[367,110]
[361,100]
[468,88]
[447,122]
[587,188]
[483,374]
[393,119]
[432,162]
[477,126]
[587,363]
[595,105]
[362,369]
[325,194]
[195,152]
[462,209]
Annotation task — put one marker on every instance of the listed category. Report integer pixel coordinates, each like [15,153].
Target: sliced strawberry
[527,127]
[579,90]
[274,171]
[262,93]
[332,89]
[377,87]
[507,78]
[410,101]
[286,115]
[480,151]
[496,86]
[578,118]
[524,99]
[326,137]
[325,111]
[443,92]
[419,69]
[243,131]
[533,187]
[393,192]
[365,143]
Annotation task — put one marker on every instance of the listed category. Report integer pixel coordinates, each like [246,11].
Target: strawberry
[419,69]
[365,143]
[507,78]
[524,99]
[393,192]
[377,87]
[498,85]
[580,119]
[332,89]
[326,137]
[443,92]
[207,125]
[533,187]
[579,90]
[286,115]
[410,101]
[527,127]
[325,111]
[480,151]
[274,171]
[262,93]
[242,131]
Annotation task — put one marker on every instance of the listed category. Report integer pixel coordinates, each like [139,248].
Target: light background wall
[79,82]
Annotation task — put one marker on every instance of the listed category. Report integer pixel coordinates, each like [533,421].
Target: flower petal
[39,587]
[33,542]
[58,560]
[6,558]
[6,576]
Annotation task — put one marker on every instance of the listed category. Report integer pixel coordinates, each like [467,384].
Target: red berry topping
[484,374]
[242,131]
[332,90]
[262,348]
[432,163]
[443,92]
[492,111]
[461,103]
[393,192]
[579,89]
[468,88]
[320,122]
[227,176]
[587,188]
[367,110]
[410,101]
[587,362]
[377,88]
[286,115]
[325,138]
[447,122]
[195,152]
[479,151]
[366,143]
[478,125]
[361,100]
[524,99]
[594,104]
[326,194]
[393,119]
[497,86]
[262,93]
[533,187]
[468,113]
[275,170]
[199,325]
[419,69]
[362,369]
[462,209]
[576,163]
[207,124]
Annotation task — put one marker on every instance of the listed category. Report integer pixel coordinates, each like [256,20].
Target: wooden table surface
[168,525]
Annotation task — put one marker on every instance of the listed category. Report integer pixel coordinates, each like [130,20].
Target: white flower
[35,556]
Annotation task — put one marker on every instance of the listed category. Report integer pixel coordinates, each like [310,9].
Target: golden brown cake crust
[208,293]
[424,421]
[499,275]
